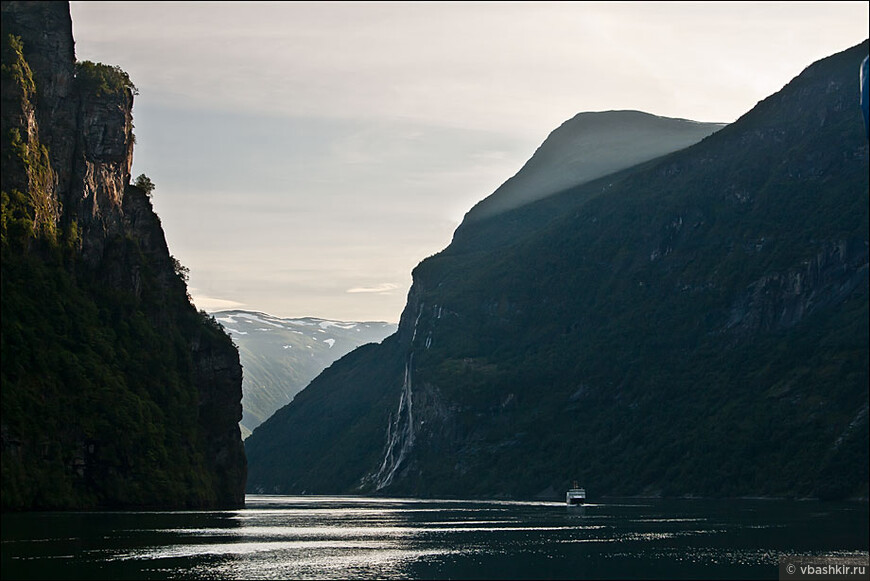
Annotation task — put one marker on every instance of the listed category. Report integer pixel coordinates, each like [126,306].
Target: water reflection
[350,537]
[576,510]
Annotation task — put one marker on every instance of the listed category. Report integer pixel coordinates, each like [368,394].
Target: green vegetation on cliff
[36,211]
[101,79]
[99,400]
[15,68]
[96,398]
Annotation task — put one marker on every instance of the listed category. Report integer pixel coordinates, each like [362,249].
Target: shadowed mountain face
[693,325]
[116,391]
[281,356]
[587,147]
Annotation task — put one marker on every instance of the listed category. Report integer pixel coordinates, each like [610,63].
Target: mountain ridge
[591,145]
[693,325]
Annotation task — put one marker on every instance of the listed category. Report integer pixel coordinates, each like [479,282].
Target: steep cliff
[694,325]
[115,390]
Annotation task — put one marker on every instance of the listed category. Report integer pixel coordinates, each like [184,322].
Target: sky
[308,155]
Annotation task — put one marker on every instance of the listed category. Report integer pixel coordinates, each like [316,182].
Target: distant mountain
[587,147]
[693,325]
[281,356]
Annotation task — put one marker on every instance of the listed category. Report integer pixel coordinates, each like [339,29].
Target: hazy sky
[307,155]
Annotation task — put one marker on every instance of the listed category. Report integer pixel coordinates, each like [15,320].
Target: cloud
[209,304]
[460,64]
[382,288]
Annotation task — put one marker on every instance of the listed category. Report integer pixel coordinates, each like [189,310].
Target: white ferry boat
[575,495]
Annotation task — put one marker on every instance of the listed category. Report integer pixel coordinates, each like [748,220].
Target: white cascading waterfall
[400,429]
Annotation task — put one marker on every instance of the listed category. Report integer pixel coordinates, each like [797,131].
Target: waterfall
[400,428]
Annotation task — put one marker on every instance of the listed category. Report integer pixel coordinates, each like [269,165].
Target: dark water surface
[308,537]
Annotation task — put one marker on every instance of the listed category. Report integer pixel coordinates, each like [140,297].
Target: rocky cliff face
[693,325]
[115,390]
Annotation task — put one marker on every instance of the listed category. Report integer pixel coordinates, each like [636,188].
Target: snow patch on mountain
[280,356]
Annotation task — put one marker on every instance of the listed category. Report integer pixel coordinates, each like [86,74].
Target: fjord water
[307,537]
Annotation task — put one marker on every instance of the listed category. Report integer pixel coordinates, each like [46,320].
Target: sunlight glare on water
[307,537]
